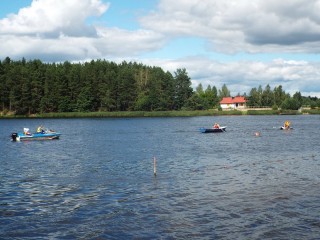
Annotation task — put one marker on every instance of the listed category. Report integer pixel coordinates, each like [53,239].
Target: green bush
[274,107]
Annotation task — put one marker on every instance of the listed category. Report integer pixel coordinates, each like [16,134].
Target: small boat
[26,136]
[212,130]
[284,128]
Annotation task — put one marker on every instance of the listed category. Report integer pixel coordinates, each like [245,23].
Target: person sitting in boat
[40,129]
[216,125]
[26,131]
[286,124]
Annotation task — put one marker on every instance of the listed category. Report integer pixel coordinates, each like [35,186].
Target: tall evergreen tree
[127,88]
[267,98]
[224,92]
[199,90]
[183,89]
[299,99]
[254,98]
[279,95]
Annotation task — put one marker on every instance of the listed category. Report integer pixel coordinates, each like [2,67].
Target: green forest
[31,87]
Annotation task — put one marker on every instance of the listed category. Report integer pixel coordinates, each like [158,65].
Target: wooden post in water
[154,166]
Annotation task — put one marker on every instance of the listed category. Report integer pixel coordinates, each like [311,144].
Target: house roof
[233,100]
[226,100]
[239,99]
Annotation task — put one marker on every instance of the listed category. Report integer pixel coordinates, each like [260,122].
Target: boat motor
[14,137]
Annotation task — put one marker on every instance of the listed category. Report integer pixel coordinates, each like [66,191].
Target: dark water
[97,181]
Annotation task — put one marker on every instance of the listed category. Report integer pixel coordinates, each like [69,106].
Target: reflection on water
[97,181]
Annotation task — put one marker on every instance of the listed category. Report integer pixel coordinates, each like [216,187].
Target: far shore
[127,114]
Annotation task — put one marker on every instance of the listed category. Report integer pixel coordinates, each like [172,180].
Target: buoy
[154,166]
[257,134]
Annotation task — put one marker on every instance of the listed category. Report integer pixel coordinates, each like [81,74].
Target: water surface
[97,181]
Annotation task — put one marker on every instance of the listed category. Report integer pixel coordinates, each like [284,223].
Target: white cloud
[58,30]
[109,43]
[228,26]
[118,42]
[53,17]
[241,25]
[241,77]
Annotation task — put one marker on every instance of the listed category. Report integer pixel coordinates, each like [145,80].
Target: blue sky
[240,43]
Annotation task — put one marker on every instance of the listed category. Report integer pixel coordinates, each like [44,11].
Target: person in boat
[286,124]
[26,131]
[216,125]
[40,129]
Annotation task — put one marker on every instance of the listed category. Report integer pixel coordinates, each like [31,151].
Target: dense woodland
[28,87]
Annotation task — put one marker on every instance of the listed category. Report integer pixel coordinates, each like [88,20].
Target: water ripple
[225,186]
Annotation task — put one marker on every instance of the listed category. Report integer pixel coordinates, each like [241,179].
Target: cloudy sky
[240,43]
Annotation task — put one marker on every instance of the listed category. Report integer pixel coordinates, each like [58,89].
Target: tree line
[278,98]
[29,87]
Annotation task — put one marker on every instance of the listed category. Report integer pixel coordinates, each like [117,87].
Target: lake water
[97,181]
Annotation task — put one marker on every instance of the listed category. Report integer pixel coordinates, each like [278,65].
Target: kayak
[213,130]
[283,128]
[47,135]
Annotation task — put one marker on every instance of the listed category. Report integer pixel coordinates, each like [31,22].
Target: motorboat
[27,136]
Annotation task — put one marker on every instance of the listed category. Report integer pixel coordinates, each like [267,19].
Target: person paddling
[286,124]
[216,125]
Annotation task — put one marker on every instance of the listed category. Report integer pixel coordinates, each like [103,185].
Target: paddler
[216,125]
[287,124]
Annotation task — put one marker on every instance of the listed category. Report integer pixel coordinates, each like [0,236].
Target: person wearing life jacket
[40,129]
[286,124]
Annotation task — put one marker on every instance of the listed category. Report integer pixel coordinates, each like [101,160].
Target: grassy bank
[130,114]
[262,112]
[126,114]
[311,111]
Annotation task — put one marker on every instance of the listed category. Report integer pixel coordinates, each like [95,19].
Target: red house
[233,102]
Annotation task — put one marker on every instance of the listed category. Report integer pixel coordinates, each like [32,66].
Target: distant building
[233,102]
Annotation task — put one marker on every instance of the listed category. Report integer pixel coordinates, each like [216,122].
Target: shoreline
[127,114]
